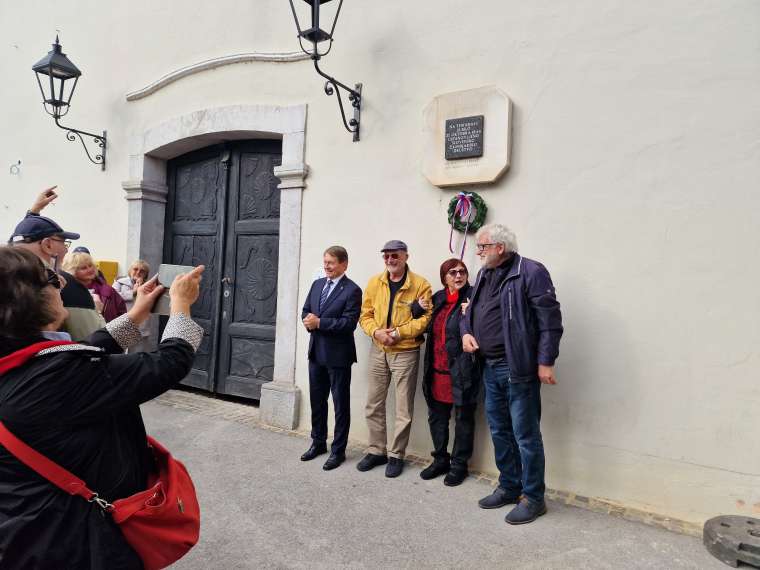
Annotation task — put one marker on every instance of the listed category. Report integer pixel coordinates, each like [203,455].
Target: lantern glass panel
[56,93]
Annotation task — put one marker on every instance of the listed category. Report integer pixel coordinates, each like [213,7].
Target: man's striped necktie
[325,293]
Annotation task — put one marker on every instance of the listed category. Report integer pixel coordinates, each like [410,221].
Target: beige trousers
[401,369]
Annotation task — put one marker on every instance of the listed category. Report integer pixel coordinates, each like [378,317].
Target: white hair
[499,233]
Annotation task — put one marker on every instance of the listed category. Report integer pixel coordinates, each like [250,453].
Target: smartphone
[167,273]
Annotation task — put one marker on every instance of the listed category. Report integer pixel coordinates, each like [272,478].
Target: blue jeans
[513,411]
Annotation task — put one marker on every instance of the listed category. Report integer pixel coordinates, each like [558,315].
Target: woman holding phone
[78,405]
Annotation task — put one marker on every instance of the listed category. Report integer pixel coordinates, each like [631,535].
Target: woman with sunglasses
[451,378]
[78,405]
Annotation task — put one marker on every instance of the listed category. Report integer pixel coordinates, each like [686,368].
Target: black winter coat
[79,408]
[530,315]
[464,367]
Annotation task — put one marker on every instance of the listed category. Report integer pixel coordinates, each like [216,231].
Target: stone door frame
[146,193]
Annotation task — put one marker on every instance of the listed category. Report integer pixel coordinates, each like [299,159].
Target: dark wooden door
[249,297]
[223,211]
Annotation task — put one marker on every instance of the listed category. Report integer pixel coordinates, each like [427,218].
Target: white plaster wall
[634,178]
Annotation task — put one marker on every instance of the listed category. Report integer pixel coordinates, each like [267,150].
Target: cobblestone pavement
[263,508]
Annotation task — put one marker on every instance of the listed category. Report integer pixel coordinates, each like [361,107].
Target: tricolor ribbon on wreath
[464,209]
[467,213]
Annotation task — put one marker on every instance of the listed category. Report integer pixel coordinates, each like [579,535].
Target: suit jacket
[332,344]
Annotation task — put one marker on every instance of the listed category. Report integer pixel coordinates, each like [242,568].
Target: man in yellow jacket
[386,317]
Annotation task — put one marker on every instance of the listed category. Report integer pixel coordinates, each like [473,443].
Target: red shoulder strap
[57,475]
[43,466]
[16,359]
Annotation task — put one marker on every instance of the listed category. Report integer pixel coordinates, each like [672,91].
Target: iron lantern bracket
[333,86]
[99,140]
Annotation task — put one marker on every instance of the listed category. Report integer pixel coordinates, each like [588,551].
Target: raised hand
[43,199]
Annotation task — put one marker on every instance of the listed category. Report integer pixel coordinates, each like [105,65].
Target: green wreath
[480,213]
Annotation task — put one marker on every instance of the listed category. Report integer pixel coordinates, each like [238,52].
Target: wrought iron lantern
[316,36]
[57,77]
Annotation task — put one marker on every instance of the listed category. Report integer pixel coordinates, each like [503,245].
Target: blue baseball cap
[35,228]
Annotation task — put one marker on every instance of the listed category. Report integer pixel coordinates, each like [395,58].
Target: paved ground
[263,508]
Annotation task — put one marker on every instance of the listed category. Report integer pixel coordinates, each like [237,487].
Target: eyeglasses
[66,242]
[391,255]
[53,279]
[455,272]
[483,246]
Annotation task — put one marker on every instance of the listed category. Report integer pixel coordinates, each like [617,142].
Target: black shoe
[455,477]
[371,460]
[436,468]
[334,461]
[315,450]
[394,468]
[498,499]
[525,512]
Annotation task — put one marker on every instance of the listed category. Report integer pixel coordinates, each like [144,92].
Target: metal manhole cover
[733,539]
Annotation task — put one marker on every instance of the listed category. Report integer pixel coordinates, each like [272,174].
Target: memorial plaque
[464,137]
[459,150]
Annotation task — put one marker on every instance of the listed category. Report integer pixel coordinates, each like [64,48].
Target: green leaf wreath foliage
[480,214]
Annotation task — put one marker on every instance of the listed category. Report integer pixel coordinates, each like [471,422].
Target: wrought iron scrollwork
[99,140]
[333,87]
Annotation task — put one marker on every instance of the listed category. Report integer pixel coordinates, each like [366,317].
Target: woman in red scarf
[451,378]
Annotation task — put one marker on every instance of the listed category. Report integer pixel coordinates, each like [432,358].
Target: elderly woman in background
[78,405]
[451,378]
[127,286]
[107,300]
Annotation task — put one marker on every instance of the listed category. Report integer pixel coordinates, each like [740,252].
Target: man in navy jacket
[513,322]
[330,314]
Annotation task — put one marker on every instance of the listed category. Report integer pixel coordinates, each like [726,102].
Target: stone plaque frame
[496,109]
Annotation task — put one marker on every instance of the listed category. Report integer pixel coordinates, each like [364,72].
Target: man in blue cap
[48,241]
[43,237]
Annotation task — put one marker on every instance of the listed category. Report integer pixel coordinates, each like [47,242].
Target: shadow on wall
[595,404]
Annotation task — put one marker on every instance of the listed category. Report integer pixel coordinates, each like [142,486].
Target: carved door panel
[193,235]
[223,211]
[249,290]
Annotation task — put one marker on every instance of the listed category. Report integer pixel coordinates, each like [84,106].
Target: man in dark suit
[330,314]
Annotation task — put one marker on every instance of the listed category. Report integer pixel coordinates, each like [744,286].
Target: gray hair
[499,233]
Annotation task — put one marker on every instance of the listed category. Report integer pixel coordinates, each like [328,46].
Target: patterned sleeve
[124,332]
[182,326]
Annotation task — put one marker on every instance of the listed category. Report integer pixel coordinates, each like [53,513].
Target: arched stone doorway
[147,192]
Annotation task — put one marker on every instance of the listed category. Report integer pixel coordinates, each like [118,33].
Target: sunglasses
[455,272]
[391,255]
[53,279]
